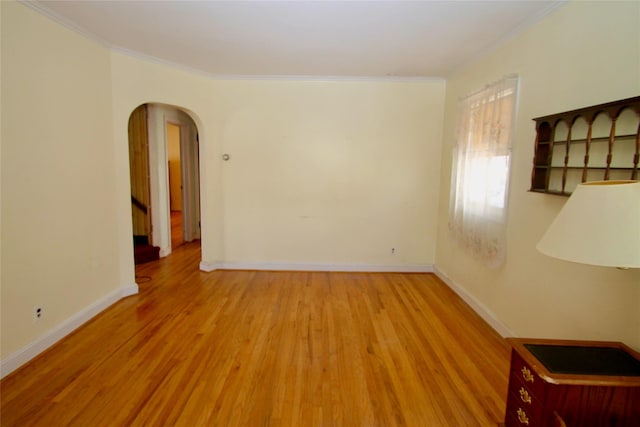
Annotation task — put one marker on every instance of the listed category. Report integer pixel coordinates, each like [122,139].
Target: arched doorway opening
[165,180]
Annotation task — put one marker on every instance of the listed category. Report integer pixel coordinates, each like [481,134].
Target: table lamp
[599,225]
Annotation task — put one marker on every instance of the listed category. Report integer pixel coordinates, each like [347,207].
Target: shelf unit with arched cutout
[596,143]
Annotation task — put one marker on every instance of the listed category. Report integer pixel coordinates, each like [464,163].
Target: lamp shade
[599,225]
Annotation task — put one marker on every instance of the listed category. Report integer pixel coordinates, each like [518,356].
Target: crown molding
[41,8]
[521,27]
[272,77]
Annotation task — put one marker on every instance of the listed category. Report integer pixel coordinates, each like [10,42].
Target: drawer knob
[524,395]
[522,417]
[526,374]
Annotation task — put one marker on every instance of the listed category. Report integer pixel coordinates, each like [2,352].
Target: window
[480,178]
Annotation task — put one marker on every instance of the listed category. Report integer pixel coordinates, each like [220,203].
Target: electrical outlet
[37,313]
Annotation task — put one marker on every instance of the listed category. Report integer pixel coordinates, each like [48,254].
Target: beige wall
[583,54]
[321,172]
[330,172]
[59,223]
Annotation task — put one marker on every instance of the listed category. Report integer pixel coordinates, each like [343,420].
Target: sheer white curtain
[480,177]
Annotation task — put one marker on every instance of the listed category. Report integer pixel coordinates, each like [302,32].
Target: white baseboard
[127,291]
[369,268]
[25,354]
[209,266]
[480,309]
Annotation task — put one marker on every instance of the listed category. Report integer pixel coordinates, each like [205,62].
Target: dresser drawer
[520,370]
[523,390]
[523,413]
[521,395]
[512,420]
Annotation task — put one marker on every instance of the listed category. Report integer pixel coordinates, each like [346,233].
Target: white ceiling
[303,38]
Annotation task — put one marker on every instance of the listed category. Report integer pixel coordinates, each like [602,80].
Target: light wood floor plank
[256,348]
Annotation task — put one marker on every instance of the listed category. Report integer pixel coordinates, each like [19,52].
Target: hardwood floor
[255,348]
[176,229]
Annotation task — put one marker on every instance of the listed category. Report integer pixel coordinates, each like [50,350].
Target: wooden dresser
[573,384]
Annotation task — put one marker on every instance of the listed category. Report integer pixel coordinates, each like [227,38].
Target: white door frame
[159,115]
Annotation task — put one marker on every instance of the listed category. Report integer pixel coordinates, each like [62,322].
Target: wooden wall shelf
[596,143]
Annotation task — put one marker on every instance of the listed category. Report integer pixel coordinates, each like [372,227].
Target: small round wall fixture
[226,157]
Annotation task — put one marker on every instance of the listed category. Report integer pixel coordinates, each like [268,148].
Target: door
[189,155]
[139,174]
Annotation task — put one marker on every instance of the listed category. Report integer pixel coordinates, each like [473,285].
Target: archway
[151,161]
